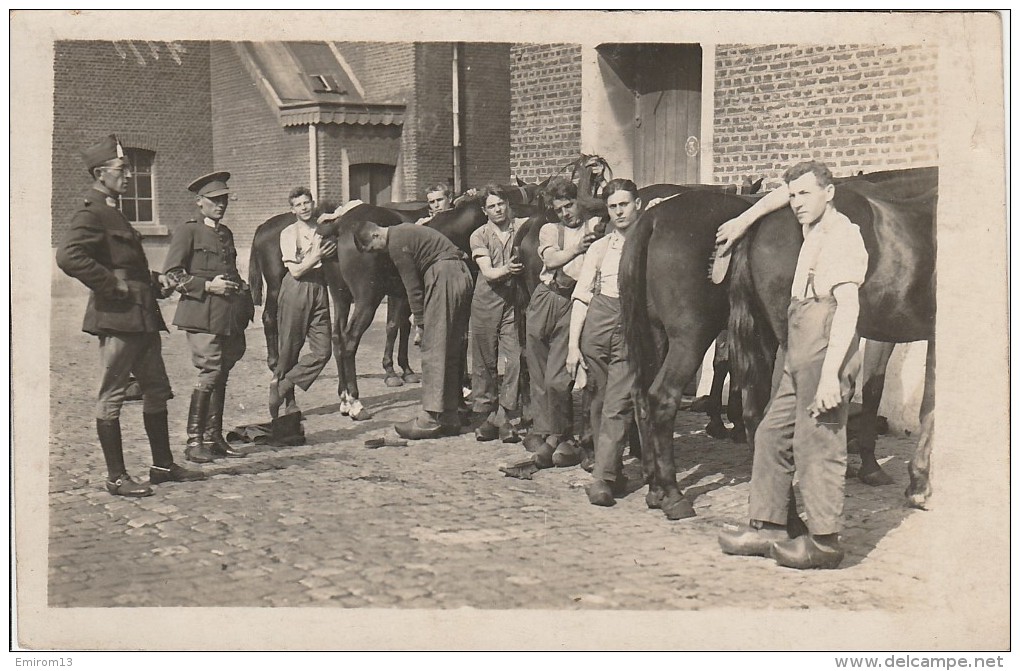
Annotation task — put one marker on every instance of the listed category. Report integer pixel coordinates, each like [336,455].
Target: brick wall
[364,144]
[855,107]
[430,160]
[545,104]
[139,91]
[265,159]
[386,71]
[485,109]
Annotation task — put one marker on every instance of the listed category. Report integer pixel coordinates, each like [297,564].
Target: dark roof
[309,82]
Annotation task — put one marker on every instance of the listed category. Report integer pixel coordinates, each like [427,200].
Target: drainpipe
[313,160]
[457,178]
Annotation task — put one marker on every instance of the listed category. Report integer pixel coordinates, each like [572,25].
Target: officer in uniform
[214,309]
[103,252]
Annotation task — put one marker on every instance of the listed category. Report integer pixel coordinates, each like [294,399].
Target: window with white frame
[139,203]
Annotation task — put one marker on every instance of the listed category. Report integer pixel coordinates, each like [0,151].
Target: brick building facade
[855,107]
[545,110]
[195,107]
[155,96]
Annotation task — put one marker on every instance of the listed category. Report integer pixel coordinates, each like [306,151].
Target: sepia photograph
[520,330]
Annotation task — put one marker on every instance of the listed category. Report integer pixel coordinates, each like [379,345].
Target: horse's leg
[342,306]
[403,338]
[392,331]
[735,413]
[715,427]
[876,358]
[663,402]
[920,468]
[364,312]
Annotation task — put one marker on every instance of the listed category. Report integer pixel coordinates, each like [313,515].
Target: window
[325,84]
[139,203]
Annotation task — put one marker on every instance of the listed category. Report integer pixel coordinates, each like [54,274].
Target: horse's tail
[752,344]
[255,272]
[634,302]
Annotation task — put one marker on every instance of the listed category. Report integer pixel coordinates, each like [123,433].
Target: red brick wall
[265,159]
[545,104]
[855,107]
[141,93]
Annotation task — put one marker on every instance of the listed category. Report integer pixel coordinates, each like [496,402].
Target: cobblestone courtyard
[431,525]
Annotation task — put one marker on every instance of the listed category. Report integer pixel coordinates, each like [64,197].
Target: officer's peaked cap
[211,185]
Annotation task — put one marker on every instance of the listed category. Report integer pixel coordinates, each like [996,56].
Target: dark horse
[361,280]
[673,312]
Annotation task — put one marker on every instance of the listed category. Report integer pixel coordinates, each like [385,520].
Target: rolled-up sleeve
[584,290]
[478,245]
[845,259]
[548,239]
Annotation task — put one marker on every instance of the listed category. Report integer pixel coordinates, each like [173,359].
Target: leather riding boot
[159,438]
[213,439]
[196,451]
[118,482]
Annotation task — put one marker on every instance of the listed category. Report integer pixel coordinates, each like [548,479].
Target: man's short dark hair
[816,168]
[362,231]
[560,188]
[441,186]
[299,191]
[620,184]
[492,190]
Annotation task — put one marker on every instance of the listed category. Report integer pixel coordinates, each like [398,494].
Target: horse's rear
[671,314]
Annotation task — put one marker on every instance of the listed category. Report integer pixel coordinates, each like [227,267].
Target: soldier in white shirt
[596,343]
[561,246]
[303,303]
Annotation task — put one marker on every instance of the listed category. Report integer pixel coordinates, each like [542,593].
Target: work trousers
[121,356]
[547,338]
[303,316]
[447,310]
[494,339]
[790,441]
[611,381]
[214,355]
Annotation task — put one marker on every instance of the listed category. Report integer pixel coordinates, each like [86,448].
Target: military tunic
[100,248]
[199,252]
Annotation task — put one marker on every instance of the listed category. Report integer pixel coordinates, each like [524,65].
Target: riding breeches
[789,440]
[131,353]
[214,355]
[303,316]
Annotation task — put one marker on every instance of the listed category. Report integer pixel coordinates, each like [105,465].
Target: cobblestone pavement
[432,525]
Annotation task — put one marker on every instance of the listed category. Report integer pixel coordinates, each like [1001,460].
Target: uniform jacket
[198,253]
[100,247]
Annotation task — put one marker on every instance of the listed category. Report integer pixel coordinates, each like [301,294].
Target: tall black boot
[119,482]
[163,467]
[212,437]
[196,451]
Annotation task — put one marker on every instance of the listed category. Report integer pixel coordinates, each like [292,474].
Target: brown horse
[670,322]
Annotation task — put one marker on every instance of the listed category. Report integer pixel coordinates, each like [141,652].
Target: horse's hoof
[394,381]
[717,430]
[917,496]
[676,507]
[653,499]
[359,413]
[412,378]
[874,478]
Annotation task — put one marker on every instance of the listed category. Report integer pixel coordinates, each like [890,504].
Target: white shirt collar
[209,222]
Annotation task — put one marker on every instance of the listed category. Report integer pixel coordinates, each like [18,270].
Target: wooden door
[371,182]
[667,138]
